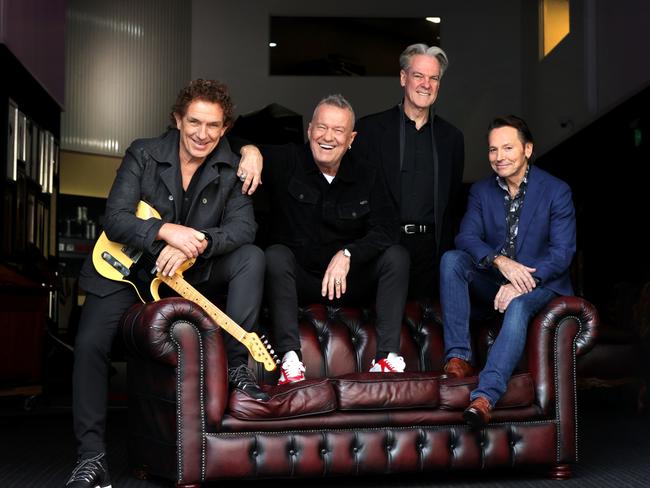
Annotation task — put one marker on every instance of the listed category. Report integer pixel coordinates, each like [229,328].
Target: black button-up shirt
[316,219]
[417,175]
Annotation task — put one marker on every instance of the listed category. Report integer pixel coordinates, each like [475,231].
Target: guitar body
[118,262]
[123,263]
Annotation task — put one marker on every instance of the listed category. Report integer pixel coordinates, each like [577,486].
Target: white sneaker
[291,369]
[391,364]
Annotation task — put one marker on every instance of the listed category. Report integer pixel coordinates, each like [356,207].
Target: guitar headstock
[261,350]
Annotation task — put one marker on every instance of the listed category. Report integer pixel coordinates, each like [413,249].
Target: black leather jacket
[150,172]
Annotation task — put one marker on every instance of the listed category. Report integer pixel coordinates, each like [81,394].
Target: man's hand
[250,168]
[190,242]
[334,281]
[504,296]
[518,275]
[169,260]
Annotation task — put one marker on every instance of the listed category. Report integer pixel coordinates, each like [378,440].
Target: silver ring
[337,282]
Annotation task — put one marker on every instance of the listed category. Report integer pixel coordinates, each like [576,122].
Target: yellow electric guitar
[122,263]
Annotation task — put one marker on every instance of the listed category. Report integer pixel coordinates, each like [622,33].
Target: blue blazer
[547,227]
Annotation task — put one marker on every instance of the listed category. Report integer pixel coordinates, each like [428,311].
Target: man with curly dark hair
[207,90]
[193,179]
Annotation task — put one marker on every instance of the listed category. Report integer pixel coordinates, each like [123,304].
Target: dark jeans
[241,270]
[383,279]
[461,279]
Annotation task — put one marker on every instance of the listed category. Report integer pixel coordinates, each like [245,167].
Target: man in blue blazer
[513,252]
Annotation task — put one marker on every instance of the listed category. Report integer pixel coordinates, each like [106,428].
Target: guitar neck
[184,289]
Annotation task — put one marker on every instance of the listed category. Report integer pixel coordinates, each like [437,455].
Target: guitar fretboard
[184,289]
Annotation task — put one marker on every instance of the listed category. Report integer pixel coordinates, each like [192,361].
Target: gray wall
[482,39]
[116,79]
[125,62]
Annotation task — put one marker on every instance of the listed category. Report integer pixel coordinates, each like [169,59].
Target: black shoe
[90,473]
[243,379]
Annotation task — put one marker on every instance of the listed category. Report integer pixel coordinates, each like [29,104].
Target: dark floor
[37,450]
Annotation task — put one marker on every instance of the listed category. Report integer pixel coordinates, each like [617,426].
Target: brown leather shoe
[478,413]
[458,368]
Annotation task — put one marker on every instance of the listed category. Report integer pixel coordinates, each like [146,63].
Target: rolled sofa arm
[157,331]
[566,328]
[177,373]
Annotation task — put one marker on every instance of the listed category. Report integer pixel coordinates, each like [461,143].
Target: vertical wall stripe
[125,62]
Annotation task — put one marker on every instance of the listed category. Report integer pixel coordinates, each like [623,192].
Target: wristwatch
[346,253]
[208,238]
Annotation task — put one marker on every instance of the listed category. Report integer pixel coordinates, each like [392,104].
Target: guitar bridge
[108,257]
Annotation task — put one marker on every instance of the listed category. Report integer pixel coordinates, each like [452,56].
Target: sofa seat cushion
[308,397]
[454,392]
[387,391]
[371,419]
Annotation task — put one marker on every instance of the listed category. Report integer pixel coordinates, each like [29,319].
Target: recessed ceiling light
[272,44]
[435,20]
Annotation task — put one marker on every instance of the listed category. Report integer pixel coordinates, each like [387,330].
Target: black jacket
[150,172]
[378,140]
[316,219]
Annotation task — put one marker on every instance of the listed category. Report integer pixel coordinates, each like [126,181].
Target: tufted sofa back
[342,340]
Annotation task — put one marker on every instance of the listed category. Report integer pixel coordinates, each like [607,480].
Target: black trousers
[383,279]
[425,265]
[241,272]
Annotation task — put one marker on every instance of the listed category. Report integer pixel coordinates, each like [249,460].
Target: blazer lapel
[390,151]
[440,178]
[531,201]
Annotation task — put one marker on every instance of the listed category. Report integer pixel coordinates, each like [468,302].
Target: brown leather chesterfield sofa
[186,426]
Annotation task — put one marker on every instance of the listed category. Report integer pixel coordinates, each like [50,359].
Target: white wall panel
[125,63]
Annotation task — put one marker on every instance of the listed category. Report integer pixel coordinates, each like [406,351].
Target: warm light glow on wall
[89,175]
[554,24]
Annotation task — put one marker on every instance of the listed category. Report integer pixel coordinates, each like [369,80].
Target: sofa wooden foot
[560,472]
